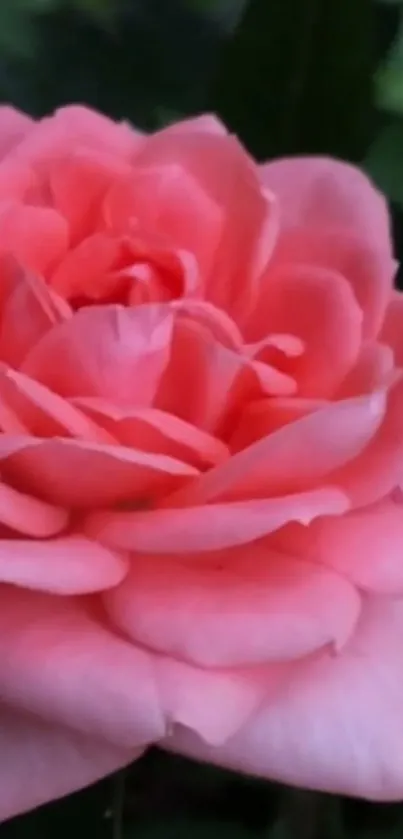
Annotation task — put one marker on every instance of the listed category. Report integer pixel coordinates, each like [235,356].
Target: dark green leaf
[297,77]
[385,161]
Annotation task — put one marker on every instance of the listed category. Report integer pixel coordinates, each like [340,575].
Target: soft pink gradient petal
[149,429]
[375,368]
[208,123]
[317,306]
[84,474]
[229,178]
[240,610]
[36,236]
[44,412]
[35,307]
[41,762]
[210,527]
[109,351]
[76,126]
[368,268]
[59,662]
[68,565]
[293,457]
[29,515]
[364,546]
[331,722]
[328,194]
[14,126]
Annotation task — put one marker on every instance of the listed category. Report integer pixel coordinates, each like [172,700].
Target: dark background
[289,76]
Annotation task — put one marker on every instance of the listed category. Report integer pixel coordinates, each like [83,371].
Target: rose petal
[41,762]
[151,430]
[83,474]
[68,565]
[294,456]
[30,515]
[317,306]
[392,330]
[37,236]
[248,607]
[329,722]
[14,126]
[60,663]
[211,527]
[109,351]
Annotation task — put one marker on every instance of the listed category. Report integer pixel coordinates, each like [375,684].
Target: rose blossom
[201,460]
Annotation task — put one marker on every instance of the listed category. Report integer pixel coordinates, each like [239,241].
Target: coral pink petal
[294,456]
[84,474]
[392,330]
[240,610]
[378,469]
[109,351]
[45,413]
[322,193]
[77,126]
[368,268]
[37,236]
[211,527]
[323,307]
[41,762]
[205,123]
[329,722]
[149,429]
[29,515]
[218,168]
[59,662]
[14,126]
[84,272]
[68,565]
[374,369]
[365,546]
[36,308]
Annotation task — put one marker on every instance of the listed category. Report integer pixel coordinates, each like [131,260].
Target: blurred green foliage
[289,76]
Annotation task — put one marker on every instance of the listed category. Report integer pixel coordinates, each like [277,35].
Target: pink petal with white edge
[29,515]
[83,474]
[293,457]
[59,662]
[68,565]
[246,607]
[328,722]
[109,351]
[41,762]
[210,527]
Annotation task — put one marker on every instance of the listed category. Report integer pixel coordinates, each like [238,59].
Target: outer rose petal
[211,527]
[392,330]
[330,722]
[41,762]
[37,236]
[242,608]
[14,125]
[322,193]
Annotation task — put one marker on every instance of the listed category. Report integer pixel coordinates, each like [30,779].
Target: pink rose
[201,408]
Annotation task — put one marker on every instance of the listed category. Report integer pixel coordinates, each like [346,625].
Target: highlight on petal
[79,473]
[210,527]
[67,565]
[109,351]
[59,662]
[328,722]
[41,762]
[245,607]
